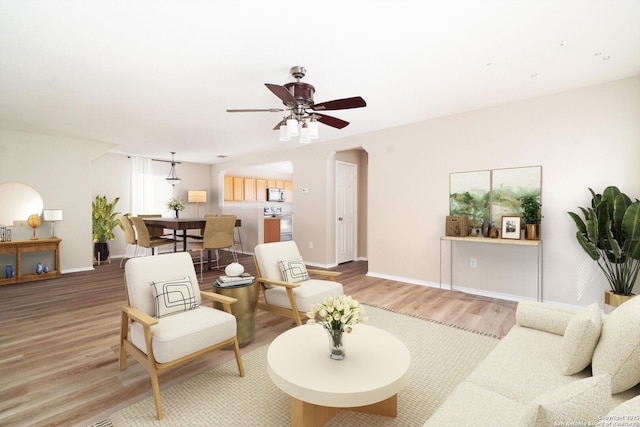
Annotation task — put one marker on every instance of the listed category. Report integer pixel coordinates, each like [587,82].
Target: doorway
[346,211]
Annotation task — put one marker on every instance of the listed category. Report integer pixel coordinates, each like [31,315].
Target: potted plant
[104,221]
[531,216]
[610,235]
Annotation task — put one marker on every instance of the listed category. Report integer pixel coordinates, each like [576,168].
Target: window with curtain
[150,192]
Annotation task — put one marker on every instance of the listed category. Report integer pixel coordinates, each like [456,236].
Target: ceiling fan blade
[278,125]
[331,121]
[256,110]
[340,104]
[282,93]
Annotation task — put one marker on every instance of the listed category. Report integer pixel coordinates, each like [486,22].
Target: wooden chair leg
[124,330]
[155,385]
[236,349]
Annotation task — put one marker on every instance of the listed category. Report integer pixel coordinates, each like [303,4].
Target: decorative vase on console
[8,271]
[486,226]
[177,213]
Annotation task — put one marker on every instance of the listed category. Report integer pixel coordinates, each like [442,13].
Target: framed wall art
[511,226]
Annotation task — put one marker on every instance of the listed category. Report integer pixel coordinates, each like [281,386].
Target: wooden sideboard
[20,247]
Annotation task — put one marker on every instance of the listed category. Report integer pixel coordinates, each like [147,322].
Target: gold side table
[244,310]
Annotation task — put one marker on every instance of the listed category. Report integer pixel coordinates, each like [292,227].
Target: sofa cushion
[580,401]
[293,270]
[473,405]
[186,333]
[618,351]
[629,408]
[308,293]
[544,317]
[524,356]
[173,296]
[580,340]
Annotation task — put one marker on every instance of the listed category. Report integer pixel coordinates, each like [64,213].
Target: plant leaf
[588,247]
[579,222]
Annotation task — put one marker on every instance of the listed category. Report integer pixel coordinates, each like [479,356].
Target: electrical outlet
[310,245]
[473,262]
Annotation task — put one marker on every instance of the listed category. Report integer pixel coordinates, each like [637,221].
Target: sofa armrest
[544,316]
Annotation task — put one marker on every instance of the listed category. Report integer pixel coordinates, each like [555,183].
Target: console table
[20,247]
[496,241]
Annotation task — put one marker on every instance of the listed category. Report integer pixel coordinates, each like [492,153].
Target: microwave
[275,195]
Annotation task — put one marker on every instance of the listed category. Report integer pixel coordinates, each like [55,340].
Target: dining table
[177,225]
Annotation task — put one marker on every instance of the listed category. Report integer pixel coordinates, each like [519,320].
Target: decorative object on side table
[610,235]
[176,205]
[337,315]
[494,233]
[511,227]
[8,271]
[34,222]
[531,216]
[103,222]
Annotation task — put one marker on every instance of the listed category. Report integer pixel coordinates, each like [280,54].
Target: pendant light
[173,178]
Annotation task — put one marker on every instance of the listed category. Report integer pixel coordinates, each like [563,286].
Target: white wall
[60,170]
[583,138]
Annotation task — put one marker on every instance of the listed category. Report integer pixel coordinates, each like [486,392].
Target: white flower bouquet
[175,204]
[337,313]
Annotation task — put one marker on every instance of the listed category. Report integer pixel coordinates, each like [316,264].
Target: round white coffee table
[376,367]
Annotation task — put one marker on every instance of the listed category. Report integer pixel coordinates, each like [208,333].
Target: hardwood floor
[59,339]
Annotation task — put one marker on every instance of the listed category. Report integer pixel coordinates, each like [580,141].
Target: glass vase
[336,343]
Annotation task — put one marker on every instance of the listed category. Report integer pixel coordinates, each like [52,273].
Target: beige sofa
[556,366]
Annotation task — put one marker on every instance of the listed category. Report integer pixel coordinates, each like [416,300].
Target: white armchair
[286,283]
[164,324]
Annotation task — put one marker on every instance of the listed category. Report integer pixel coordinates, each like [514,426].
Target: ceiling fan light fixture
[292,127]
[304,133]
[283,133]
[314,129]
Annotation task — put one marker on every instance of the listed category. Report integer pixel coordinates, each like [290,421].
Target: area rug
[441,357]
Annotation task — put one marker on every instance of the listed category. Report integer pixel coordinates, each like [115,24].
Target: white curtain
[142,197]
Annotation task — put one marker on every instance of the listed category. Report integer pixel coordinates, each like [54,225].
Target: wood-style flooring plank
[59,339]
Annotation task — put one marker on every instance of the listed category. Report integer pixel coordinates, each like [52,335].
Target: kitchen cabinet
[249,189]
[271,230]
[288,190]
[238,189]
[228,188]
[261,190]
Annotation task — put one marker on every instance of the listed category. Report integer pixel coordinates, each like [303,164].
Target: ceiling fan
[303,116]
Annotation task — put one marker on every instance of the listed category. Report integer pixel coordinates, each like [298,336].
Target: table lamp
[197,197]
[53,215]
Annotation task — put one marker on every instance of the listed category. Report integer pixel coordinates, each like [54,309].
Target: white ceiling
[156,76]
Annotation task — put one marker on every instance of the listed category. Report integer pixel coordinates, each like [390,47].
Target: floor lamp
[197,197]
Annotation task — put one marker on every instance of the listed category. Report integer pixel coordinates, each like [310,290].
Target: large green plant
[610,234]
[104,219]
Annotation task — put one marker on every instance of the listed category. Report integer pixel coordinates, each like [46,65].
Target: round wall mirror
[18,202]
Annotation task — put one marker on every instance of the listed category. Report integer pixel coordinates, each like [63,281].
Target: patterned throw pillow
[293,270]
[173,296]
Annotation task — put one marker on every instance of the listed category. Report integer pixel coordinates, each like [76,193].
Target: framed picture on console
[511,226]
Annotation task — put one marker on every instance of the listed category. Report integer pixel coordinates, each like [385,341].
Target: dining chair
[218,234]
[129,237]
[154,231]
[143,237]
[286,283]
[165,324]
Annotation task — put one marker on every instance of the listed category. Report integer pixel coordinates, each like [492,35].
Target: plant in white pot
[610,235]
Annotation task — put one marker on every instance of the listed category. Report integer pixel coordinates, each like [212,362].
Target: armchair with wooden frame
[164,324]
[286,283]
